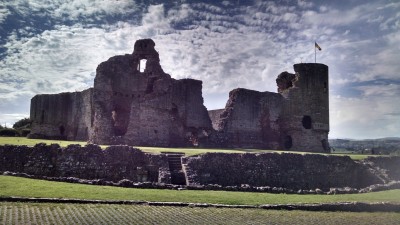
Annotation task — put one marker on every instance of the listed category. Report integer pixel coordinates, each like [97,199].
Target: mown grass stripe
[23,214]
[119,213]
[61,214]
[39,215]
[131,213]
[107,215]
[77,211]
[187,215]
[31,215]
[97,213]
[71,214]
[53,215]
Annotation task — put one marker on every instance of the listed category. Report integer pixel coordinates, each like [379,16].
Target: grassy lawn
[31,213]
[155,150]
[23,187]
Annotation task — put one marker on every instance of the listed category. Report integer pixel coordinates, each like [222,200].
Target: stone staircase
[175,166]
[187,170]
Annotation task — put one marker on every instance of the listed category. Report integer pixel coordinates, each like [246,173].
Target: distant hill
[387,145]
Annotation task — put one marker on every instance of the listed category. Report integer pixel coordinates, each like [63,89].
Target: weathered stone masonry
[146,107]
[128,105]
[89,162]
[295,118]
[116,163]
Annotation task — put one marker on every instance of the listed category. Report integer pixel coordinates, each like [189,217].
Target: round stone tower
[305,117]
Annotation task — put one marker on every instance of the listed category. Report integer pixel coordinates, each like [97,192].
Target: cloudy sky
[52,46]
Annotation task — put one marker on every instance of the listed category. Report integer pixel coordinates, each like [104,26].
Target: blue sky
[53,46]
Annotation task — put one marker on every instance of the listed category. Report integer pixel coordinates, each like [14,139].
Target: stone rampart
[266,172]
[90,162]
[389,167]
[294,171]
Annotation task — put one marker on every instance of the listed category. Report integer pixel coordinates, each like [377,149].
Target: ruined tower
[296,118]
[135,102]
[305,114]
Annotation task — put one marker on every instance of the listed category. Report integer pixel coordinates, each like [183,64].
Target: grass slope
[24,187]
[156,150]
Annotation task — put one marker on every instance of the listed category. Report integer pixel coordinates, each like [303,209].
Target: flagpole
[315,52]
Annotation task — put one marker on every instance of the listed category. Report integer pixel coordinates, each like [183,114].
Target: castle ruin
[135,102]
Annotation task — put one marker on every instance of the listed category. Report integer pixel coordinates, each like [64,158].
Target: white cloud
[72,9]
[363,117]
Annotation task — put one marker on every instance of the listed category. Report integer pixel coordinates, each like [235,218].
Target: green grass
[32,142]
[33,213]
[156,150]
[23,187]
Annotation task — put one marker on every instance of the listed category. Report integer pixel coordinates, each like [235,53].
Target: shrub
[23,123]
[25,132]
[8,132]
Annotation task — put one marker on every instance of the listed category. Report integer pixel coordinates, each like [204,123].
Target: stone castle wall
[62,116]
[127,105]
[135,102]
[146,108]
[296,118]
[250,119]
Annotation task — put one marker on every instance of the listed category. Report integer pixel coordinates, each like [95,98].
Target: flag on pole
[317,46]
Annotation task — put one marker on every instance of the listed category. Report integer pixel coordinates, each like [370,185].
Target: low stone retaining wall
[292,171]
[267,172]
[89,162]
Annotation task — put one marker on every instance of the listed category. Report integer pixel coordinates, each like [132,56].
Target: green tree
[22,123]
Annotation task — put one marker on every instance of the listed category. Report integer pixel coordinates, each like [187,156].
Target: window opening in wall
[142,65]
[62,130]
[325,87]
[306,122]
[42,117]
[120,120]
[288,142]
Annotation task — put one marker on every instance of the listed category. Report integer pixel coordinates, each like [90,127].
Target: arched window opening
[288,142]
[325,87]
[120,120]
[142,65]
[307,123]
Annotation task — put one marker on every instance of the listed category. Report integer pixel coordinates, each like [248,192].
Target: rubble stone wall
[293,171]
[116,163]
[90,162]
[389,166]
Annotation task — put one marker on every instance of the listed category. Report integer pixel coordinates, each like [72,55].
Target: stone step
[175,166]
[187,170]
[178,178]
